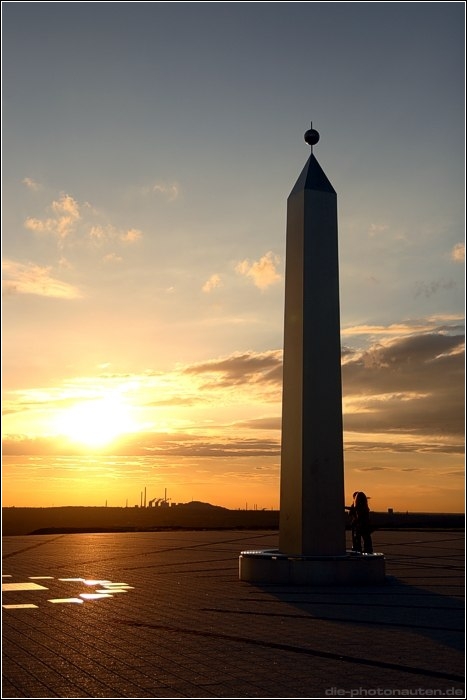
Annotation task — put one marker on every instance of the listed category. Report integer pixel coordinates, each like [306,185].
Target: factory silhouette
[165,503]
[154,502]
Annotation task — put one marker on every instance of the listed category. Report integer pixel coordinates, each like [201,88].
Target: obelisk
[312,515]
[312,512]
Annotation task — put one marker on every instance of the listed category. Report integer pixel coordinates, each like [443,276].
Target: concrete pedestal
[271,566]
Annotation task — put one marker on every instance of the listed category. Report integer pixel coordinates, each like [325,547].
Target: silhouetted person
[362,524]
[353,524]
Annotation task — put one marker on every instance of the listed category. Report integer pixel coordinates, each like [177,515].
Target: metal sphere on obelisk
[311,137]
[312,545]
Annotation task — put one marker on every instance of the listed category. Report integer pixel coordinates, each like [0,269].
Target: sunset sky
[148,152]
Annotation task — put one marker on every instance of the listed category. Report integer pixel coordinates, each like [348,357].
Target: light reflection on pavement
[103,589]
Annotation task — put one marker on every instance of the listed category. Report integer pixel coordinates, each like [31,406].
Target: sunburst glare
[96,423]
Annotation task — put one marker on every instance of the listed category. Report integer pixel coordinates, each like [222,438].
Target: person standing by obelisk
[312,516]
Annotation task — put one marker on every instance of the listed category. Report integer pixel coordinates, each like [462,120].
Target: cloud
[400,444]
[31,184]
[428,289]
[64,263]
[170,191]
[270,423]
[213,282]
[371,469]
[190,446]
[411,386]
[112,258]
[376,229]
[71,223]
[263,272]
[20,278]
[100,235]
[369,329]
[433,324]
[62,223]
[148,444]
[174,401]
[241,368]
[131,236]
[458,252]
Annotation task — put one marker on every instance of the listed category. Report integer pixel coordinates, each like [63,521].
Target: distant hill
[192,515]
[199,505]
[188,516]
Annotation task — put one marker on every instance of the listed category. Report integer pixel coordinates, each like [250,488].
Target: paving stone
[185,626]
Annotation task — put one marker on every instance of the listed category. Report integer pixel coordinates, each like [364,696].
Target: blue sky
[148,152]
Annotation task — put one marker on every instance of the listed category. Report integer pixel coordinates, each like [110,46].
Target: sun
[95,423]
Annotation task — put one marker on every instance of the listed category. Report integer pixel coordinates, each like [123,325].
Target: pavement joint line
[300,650]
[32,546]
[359,604]
[323,618]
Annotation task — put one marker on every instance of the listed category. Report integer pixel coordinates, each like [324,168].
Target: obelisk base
[273,567]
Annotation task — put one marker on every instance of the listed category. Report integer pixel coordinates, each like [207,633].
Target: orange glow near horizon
[419,483]
[211,431]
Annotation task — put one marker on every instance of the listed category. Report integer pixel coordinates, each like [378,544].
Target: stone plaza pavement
[163,614]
